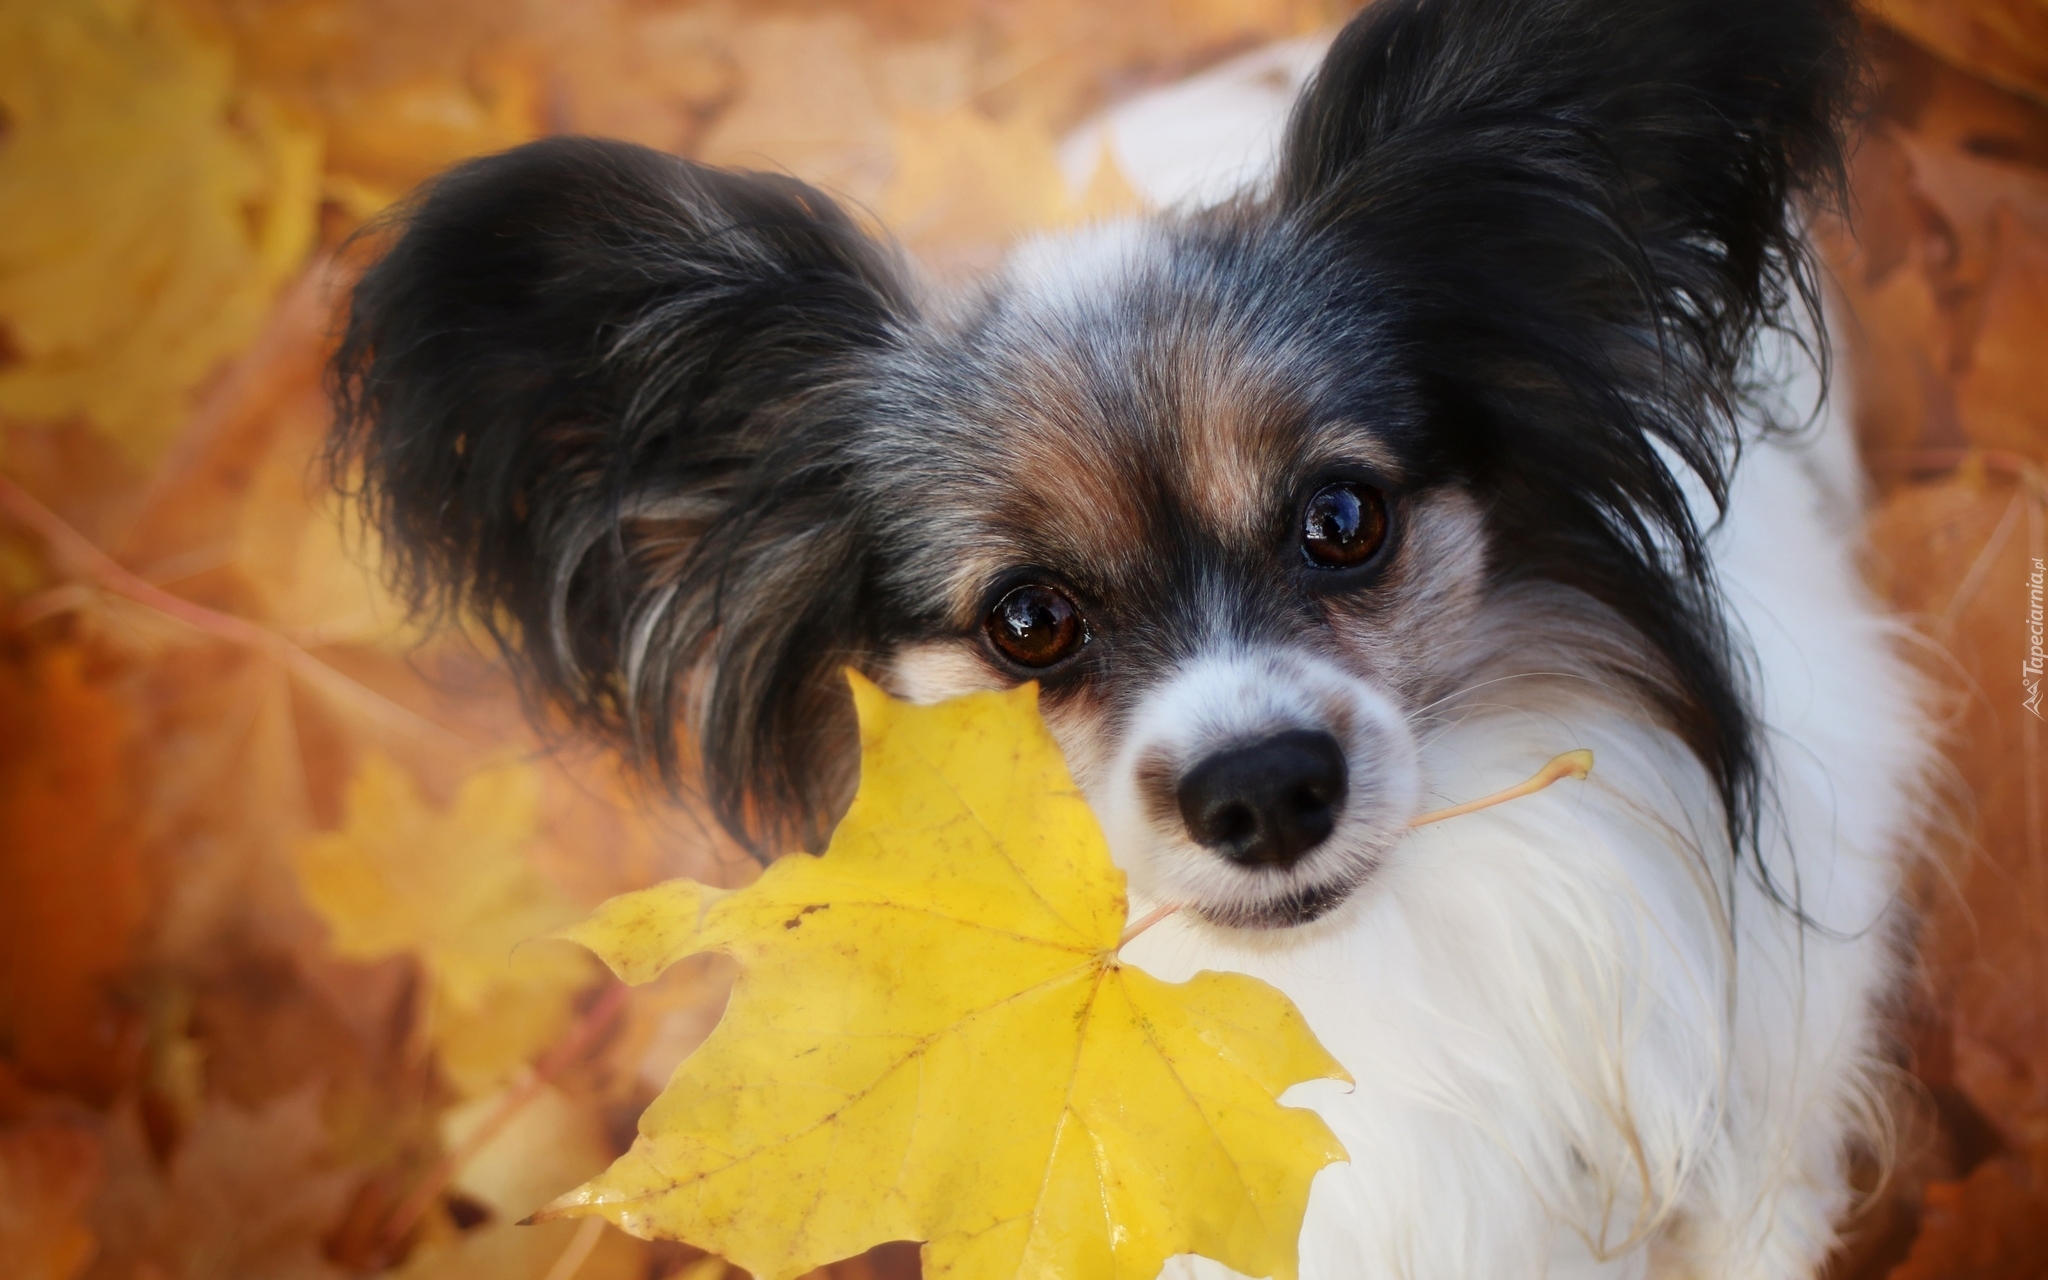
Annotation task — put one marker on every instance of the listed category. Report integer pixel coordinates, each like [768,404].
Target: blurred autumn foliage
[269,861]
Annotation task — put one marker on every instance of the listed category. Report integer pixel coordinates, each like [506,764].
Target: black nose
[1268,803]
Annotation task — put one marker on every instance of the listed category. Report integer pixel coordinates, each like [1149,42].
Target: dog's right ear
[594,396]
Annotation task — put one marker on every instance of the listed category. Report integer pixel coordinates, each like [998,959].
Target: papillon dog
[1484,425]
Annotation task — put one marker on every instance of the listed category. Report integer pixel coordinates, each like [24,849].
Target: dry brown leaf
[186,512]
[1957,553]
[1993,1225]
[399,90]
[665,1021]
[1950,296]
[2005,41]
[2002,394]
[965,186]
[606,832]
[1950,194]
[1950,291]
[224,791]
[383,140]
[48,1173]
[656,76]
[251,1193]
[1056,61]
[73,881]
[806,105]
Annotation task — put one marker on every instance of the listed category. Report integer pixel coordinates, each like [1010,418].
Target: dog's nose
[1269,802]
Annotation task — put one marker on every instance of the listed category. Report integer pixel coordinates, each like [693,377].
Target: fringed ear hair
[592,391]
[1582,213]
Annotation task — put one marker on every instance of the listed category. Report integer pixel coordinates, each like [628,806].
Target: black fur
[1577,213]
[593,393]
[625,409]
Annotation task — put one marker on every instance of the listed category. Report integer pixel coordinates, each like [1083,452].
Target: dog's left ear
[1609,168]
[1574,217]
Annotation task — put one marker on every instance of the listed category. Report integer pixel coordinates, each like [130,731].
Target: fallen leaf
[251,1193]
[606,832]
[2005,41]
[806,105]
[2002,394]
[658,77]
[149,210]
[127,1207]
[932,1038]
[48,1172]
[73,885]
[1944,284]
[386,138]
[1950,210]
[400,90]
[458,889]
[1992,1225]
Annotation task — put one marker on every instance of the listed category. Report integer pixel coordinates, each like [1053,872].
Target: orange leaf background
[223,1051]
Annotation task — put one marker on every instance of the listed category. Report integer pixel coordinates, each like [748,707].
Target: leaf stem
[1572,764]
[1151,918]
[551,1064]
[578,1252]
[95,564]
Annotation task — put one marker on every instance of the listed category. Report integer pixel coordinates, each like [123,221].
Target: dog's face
[1249,490]
[1182,500]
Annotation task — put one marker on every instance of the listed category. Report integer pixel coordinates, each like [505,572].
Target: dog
[1488,424]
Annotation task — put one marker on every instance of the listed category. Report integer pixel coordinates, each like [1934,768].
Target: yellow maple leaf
[458,889]
[149,211]
[932,1038]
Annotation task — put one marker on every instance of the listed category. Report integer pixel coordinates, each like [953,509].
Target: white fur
[1582,1046]
[1586,1043]
[1580,1049]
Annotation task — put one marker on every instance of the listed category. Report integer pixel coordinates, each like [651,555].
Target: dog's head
[1251,490]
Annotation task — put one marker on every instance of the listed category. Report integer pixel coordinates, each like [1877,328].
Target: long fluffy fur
[688,442]
[591,390]
[1584,211]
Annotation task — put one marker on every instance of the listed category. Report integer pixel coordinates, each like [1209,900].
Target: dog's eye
[1343,525]
[1035,625]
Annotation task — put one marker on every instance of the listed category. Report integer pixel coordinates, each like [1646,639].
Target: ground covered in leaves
[265,854]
